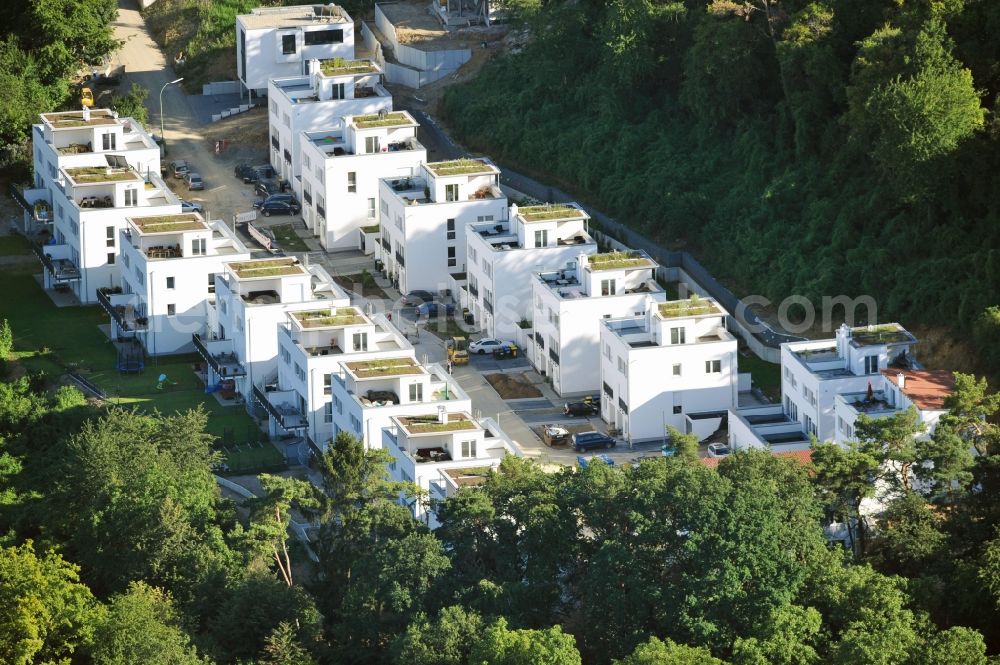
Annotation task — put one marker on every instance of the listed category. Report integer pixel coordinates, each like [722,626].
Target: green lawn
[766,376]
[13,245]
[287,239]
[55,339]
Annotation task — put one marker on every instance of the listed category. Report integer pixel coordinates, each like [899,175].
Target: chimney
[901,380]
[513,210]
[86,114]
[442,415]
[843,339]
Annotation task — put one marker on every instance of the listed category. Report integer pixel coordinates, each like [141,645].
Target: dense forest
[117,547]
[816,148]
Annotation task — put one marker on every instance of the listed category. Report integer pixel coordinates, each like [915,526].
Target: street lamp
[162,138]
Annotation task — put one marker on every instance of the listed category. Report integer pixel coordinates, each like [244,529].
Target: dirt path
[146,65]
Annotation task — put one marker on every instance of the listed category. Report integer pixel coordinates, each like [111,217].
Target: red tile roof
[801,456]
[925,388]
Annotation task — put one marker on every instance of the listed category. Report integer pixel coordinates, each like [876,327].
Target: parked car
[194,181]
[278,208]
[267,186]
[286,198]
[484,346]
[417,298]
[179,168]
[585,463]
[718,450]
[553,435]
[432,310]
[580,409]
[592,441]
[191,206]
[266,171]
[246,173]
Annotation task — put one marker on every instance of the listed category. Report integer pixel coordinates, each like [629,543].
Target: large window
[713,366]
[451,192]
[352,181]
[111,236]
[677,336]
[469,448]
[360,341]
[451,229]
[371,144]
[452,261]
[608,287]
[109,141]
[315,37]
[131,197]
[871,364]
[541,238]
[371,208]
[416,392]
[337,91]
[287,44]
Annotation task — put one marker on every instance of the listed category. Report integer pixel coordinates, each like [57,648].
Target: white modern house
[168,265]
[272,42]
[252,298]
[675,364]
[341,171]
[424,219]
[443,452]
[502,255]
[366,394]
[820,378]
[319,101]
[92,170]
[569,305]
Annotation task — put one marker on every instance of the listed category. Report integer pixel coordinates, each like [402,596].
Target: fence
[221,88]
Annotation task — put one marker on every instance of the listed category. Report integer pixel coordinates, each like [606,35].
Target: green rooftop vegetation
[615,260]
[887,333]
[370,369]
[429,424]
[342,67]
[74,149]
[374,120]
[91,174]
[331,317]
[371,228]
[75,119]
[693,306]
[460,167]
[548,211]
[168,223]
[266,268]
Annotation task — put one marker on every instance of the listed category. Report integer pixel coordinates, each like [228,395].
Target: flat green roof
[430,424]
[693,306]
[169,223]
[70,119]
[460,167]
[886,333]
[342,67]
[95,174]
[382,367]
[549,211]
[266,268]
[390,120]
[617,260]
[331,317]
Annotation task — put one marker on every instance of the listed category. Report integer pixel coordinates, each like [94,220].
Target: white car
[718,450]
[484,346]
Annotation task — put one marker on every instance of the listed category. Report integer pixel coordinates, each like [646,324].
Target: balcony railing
[622,405]
[539,340]
[275,143]
[474,290]
[62,270]
[288,416]
[120,308]
[219,355]
[553,355]
[488,304]
[321,211]
[399,260]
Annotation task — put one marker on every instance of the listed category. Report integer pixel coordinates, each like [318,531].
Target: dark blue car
[432,310]
[592,441]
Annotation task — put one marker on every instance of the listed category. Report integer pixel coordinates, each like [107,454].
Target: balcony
[61,269]
[553,355]
[876,403]
[474,290]
[280,405]
[488,304]
[274,143]
[399,260]
[121,308]
[219,354]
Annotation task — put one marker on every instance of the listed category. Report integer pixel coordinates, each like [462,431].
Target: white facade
[674,365]
[94,169]
[341,171]
[272,42]
[442,462]
[424,220]
[502,255]
[569,306]
[168,265]
[416,389]
[319,101]
[252,299]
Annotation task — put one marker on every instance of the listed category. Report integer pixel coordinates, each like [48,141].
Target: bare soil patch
[512,386]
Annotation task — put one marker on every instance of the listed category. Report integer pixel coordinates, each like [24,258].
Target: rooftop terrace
[461,167]
[384,367]
[300,15]
[330,317]
[168,223]
[266,268]
[693,306]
